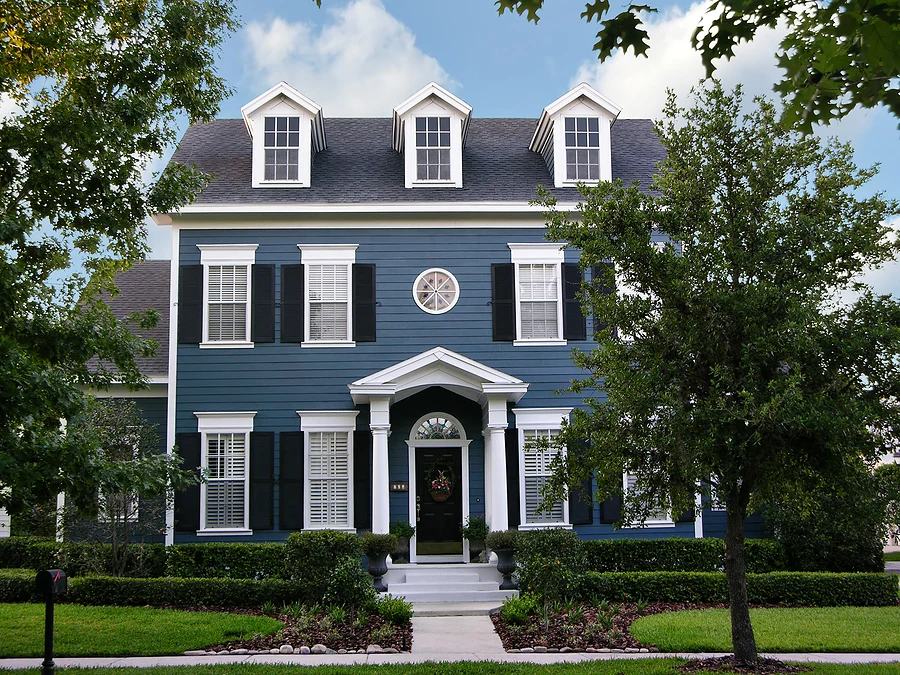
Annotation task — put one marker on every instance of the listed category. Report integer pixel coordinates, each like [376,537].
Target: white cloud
[362,62]
[639,84]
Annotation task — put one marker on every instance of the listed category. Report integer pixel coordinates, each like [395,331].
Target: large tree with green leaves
[729,360]
[836,55]
[95,90]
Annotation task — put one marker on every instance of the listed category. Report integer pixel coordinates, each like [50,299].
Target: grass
[121,631]
[892,557]
[807,629]
[620,667]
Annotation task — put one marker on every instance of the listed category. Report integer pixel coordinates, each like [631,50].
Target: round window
[436,291]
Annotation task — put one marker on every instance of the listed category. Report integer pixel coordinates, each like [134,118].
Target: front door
[439,510]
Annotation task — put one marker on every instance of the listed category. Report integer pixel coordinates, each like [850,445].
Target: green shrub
[227,560]
[182,592]
[397,611]
[678,555]
[475,529]
[78,558]
[375,545]
[349,585]
[776,588]
[517,610]
[499,540]
[311,556]
[17,585]
[551,563]
[402,529]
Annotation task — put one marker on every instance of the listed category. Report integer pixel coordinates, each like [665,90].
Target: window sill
[349,530]
[226,345]
[281,184]
[226,532]
[328,343]
[539,343]
[545,526]
[435,183]
[650,525]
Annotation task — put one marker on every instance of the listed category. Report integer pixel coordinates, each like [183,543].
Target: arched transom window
[437,428]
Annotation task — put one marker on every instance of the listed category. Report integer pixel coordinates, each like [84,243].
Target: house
[363,311]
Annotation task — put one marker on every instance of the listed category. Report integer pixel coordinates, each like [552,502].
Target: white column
[379,423]
[495,445]
[486,433]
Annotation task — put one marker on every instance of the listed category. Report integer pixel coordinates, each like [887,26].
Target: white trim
[328,421]
[225,422]
[334,254]
[364,208]
[539,343]
[403,111]
[559,340]
[649,522]
[172,379]
[538,419]
[225,344]
[227,254]
[463,444]
[698,516]
[541,418]
[224,532]
[327,254]
[237,255]
[538,253]
[433,270]
[152,390]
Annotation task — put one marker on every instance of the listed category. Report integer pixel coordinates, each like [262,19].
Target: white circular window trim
[446,294]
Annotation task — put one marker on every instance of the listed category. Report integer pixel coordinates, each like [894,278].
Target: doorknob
[418,512]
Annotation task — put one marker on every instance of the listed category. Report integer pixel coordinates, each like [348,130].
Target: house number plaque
[399,486]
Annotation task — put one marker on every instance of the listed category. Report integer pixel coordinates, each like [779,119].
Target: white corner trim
[328,253]
[327,420]
[224,422]
[541,418]
[374,207]
[545,253]
[227,254]
[171,374]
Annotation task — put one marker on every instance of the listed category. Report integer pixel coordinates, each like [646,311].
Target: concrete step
[454,596]
[442,586]
[454,608]
[446,578]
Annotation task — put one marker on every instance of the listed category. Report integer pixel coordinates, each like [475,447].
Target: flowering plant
[440,483]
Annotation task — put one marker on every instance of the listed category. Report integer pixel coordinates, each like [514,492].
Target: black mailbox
[51,582]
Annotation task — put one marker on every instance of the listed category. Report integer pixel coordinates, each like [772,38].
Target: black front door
[438,514]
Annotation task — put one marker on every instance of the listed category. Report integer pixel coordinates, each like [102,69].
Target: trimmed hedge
[810,589]
[79,558]
[678,555]
[17,585]
[311,556]
[222,560]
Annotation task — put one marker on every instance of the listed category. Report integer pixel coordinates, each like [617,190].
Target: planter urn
[506,566]
[378,568]
[401,555]
[476,550]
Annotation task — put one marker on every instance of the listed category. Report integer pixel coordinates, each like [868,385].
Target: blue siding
[714,525]
[154,411]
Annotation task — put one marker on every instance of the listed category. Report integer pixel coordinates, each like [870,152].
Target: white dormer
[430,129]
[286,128]
[572,135]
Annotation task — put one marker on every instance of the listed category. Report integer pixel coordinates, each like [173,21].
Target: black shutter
[190,304]
[364,303]
[503,301]
[292,303]
[187,502]
[290,482]
[574,325]
[262,480]
[611,510]
[262,322]
[687,517]
[581,497]
[512,477]
[600,282]
[362,480]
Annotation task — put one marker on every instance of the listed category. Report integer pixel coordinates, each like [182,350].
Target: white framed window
[436,291]
[225,461]
[281,144]
[655,519]
[539,299]
[535,465]
[226,294]
[328,312]
[432,148]
[328,450]
[582,137]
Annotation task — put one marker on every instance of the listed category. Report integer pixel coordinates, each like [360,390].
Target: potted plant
[475,530]
[404,532]
[377,547]
[503,543]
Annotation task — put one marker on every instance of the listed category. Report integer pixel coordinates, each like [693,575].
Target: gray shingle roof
[359,164]
[146,286]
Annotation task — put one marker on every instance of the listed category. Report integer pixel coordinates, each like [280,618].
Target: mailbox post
[49,583]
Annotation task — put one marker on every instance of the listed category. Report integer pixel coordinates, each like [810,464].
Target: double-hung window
[538,289]
[538,428]
[329,314]
[281,144]
[227,293]
[328,442]
[582,148]
[225,460]
[661,518]
[433,148]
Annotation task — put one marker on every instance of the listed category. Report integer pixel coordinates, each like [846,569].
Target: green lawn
[892,557]
[622,667]
[807,629]
[121,631]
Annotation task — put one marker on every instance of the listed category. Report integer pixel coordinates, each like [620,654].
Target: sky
[362,57]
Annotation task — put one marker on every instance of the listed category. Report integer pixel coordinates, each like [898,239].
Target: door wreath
[441,482]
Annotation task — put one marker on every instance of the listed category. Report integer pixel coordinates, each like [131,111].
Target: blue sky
[362,57]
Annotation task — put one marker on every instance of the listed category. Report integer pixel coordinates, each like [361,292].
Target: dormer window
[582,148]
[433,148]
[282,146]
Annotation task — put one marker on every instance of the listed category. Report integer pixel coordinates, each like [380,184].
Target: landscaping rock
[617,651]
[240,651]
[303,650]
[513,651]
[644,650]
[318,649]
[552,650]
[527,650]
[330,651]
[285,649]
[196,652]
[390,650]
[278,651]
[223,652]
[631,650]
[591,650]
[566,650]
[540,649]
[374,649]
[342,651]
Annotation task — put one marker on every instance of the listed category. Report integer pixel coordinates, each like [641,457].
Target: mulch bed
[585,627]
[727,664]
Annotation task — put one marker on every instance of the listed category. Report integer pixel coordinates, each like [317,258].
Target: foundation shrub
[223,560]
[17,585]
[79,558]
[678,555]
[551,563]
[311,556]
[349,585]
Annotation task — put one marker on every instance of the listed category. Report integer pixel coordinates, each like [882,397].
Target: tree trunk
[742,639]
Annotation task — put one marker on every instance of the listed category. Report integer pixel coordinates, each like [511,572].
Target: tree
[837,55]
[731,362]
[136,480]
[98,87]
